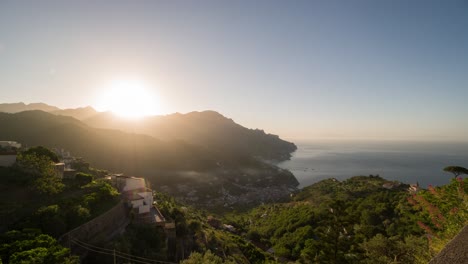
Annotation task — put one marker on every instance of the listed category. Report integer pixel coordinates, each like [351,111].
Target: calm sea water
[408,162]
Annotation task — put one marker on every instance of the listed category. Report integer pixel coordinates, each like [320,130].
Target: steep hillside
[214,177]
[338,222]
[207,128]
[111,149]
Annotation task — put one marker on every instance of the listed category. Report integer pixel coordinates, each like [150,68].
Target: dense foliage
[443,212]
[41,151]
[360,220]
[357,220]
[52,208]
[199,232]
[30,246]
[37,170]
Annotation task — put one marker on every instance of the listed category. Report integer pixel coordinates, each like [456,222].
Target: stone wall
[99,230]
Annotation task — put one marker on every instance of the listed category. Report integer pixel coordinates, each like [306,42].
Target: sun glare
[128,99]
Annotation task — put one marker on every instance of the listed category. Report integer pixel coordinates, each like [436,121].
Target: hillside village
[131,205]
[136,200]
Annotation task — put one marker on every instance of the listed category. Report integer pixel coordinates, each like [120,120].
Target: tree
[456,170]
[30,246]
[40,168]
[83,178]
[207,257]
[42,151]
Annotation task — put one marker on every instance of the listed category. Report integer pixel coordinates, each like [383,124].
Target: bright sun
[129,99]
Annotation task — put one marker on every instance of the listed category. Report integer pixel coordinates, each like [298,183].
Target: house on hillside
[10,145]
[126,183]
[414,188]
[139,198]
[8,153]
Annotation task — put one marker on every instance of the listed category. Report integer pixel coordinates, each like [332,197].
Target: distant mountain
[20,107]
[208,128]
[110,149]
[78,113]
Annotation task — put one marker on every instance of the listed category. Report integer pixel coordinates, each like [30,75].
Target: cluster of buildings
[9,152]
[63,169]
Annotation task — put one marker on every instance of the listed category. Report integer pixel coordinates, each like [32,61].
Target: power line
[110,250]
[119,254]
[110,254]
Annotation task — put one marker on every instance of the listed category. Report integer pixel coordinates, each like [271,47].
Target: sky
[302,69]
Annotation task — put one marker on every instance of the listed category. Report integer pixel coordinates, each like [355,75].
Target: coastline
[407,162]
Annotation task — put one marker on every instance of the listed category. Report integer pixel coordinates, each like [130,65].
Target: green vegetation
[443,212]
[354,221]
[207,258]
[146,241]
[41,151]
[33,197]
[357,221]
[200,232]
[30,246]
[53,206]
[364,219]
[38,171]
[83,178]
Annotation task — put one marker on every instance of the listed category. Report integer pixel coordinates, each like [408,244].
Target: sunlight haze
[312,69]
[128,98]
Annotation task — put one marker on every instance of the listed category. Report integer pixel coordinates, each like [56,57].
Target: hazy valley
[219,162]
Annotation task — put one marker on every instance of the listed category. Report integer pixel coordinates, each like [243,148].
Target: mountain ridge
[206,128]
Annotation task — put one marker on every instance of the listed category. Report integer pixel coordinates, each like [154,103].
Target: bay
[405,161]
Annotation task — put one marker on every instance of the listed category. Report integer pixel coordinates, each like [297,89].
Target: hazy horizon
[373,70]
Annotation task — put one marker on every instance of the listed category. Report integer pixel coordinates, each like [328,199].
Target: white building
[10,144]
[127,183]
[134,191]
[140,200]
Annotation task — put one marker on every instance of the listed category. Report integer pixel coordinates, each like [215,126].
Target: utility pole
[69,246]
[114,257]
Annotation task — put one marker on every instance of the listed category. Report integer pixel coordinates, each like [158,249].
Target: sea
[405,161]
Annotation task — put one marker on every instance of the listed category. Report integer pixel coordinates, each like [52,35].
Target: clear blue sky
[300,69]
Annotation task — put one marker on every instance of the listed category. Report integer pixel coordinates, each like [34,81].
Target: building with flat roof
[10,144]
[8,152]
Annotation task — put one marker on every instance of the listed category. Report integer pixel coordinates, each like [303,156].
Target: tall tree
[42,172]
[42,151]
[456,170]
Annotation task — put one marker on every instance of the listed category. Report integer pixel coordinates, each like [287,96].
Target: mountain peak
[20,107]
